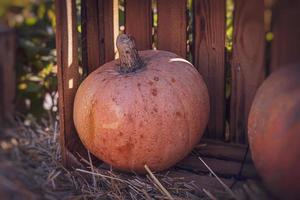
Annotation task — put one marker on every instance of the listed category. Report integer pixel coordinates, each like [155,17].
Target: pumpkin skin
[274,132]
[153,116]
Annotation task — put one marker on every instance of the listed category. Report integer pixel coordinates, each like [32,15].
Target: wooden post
[98,33]
[7,75]
[286,30]
[248,63]
[209,58]
[68,78]
[171,30]
[139,22]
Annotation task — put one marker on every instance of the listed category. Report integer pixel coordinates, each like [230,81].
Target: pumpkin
[274,132]
[145,108]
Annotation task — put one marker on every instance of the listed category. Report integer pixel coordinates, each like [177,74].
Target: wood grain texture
[171,30]
[286,29]
[7,75]
[138,22]
[223,168]
[209,58]
[199,181]
[247,67]
[97,35]
[223,151]
[68,76]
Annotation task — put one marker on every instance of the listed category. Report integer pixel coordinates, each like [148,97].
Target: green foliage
[229,24]
[34,22]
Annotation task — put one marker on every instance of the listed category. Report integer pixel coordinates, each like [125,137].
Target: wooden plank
[97,35]
[7,75]
[196,183]
[248,67]
[286,29]
[222,168]
[209,58]
[223,151]
[171,30]
[138,22]
[105,8]
[68,77]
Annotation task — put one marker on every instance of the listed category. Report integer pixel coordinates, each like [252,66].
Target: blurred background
[32,22]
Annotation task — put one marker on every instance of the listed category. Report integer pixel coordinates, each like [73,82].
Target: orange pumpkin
[274,132]
[148,107]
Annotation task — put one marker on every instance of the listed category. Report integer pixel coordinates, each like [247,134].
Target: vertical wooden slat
[116,25]
[7,75]
[171,30]
[248,69]
[105,9]
[98,35]
[286,30]
[68,76]
[209,58]
[138,22]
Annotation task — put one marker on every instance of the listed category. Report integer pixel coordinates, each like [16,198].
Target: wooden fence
[7,75]
[250,61]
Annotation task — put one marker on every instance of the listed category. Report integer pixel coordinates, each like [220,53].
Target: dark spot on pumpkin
[112,160]
[141,124]
[127,147]
[104,140]
[141,136]
[139,85]
[155,110]
[121,133]
[156,78]
[103,79]
[114,99]
[178,114]
[173,80]
[150,83]
[154,91]
[130,118]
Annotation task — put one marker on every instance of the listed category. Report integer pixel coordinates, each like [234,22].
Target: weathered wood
[138,22]
[286,30]
[7,75]
[209,58]
[98,34]
[199,182]
[248,67]
[171,30]
[223,151]
[68,76]
[223,168]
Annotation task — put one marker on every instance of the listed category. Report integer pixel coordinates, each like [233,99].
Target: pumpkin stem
[130,60]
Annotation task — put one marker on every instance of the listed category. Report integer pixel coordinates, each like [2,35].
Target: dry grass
[32,154]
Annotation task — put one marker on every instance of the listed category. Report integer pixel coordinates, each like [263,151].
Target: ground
[31,169]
